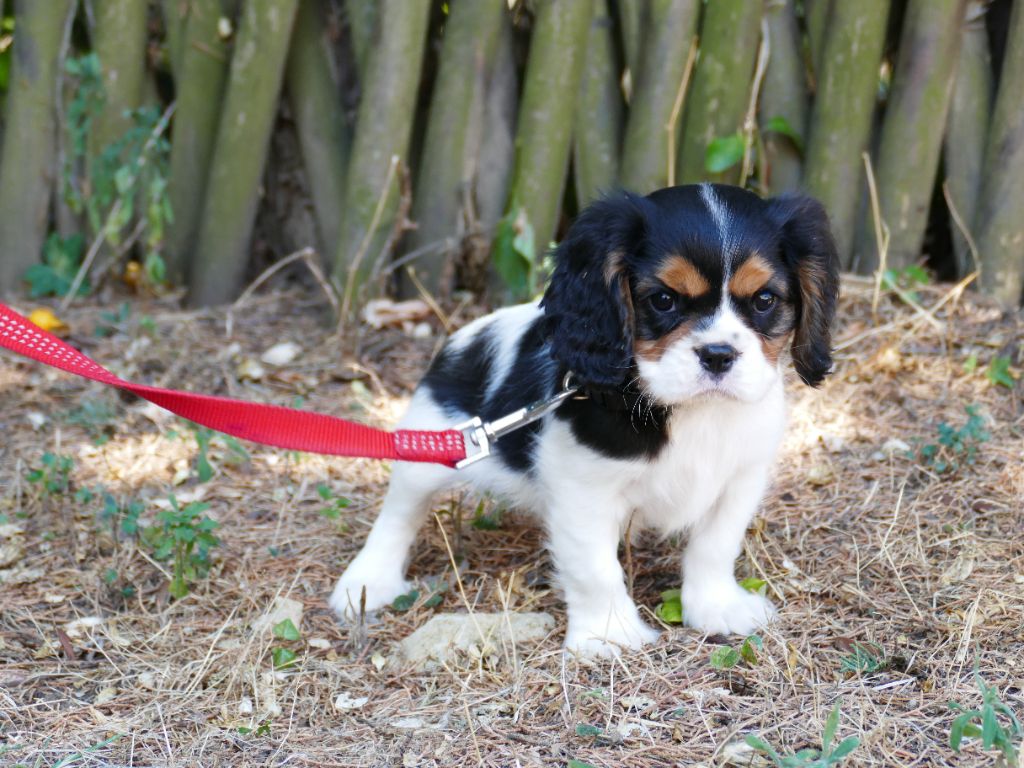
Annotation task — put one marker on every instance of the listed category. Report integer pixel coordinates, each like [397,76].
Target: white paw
[608,638]
[348,592]
[726,609]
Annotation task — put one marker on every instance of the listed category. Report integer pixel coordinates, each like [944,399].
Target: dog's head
[694,291]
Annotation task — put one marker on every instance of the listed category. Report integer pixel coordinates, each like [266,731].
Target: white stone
[449,634]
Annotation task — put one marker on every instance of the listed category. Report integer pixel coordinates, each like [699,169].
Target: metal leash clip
[478,434]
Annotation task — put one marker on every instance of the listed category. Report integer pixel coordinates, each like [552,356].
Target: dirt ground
[897,576]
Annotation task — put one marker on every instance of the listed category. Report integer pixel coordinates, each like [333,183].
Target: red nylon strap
[268,424]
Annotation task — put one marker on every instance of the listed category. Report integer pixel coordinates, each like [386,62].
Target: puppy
[670,313]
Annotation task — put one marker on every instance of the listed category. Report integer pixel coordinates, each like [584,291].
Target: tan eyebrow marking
[679,274]
[750,277]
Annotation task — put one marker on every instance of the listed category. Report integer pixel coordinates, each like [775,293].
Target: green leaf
[514,252]
[971,363]
[724,152]
[724,657]
[747,652]
[762,746]
[779,124]
[670,610]
[958,730]
[586,729]
[830,727]
[998,372]
[286,630]
[755,585]
[989,727]
[282,657]
[434,600]
[846,746]
[580,764]
[324,491]
[404,602]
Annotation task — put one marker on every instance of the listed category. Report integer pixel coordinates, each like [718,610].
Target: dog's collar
[613,398]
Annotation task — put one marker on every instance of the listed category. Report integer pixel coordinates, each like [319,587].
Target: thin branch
[677,108]
[101,236]
[750,120]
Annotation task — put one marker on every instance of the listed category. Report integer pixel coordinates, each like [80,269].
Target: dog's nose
[717,358]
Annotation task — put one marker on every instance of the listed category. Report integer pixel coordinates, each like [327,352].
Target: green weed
[62,256]
[999,727]
[334,504]
[125,181]
[810,757]
[863,659]
[54,476]
[955,446]
[725,657]
[183,535]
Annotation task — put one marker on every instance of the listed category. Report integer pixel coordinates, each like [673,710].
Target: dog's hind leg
[379,568]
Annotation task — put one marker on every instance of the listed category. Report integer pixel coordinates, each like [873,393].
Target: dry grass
[856,544]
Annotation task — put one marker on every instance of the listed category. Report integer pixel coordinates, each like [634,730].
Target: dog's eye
[662,301]
[763,301]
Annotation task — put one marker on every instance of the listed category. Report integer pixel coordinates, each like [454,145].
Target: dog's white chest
[710,445]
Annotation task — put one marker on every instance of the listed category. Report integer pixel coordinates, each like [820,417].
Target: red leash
[268,424]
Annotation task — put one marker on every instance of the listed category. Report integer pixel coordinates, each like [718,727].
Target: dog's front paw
[726,610]
[608,638]
[348,593]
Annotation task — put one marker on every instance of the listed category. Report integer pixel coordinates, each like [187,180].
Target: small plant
[287,631]
[999,727]
[121,517]
[905,282]
[62,257]
[114,186]
[724,657]
[484,521]
[334,504]
[54,476]
[185,536]
[811,758]
[998,372]
[96,417]
[515,257]
[724,152]
[670,609]
[863,659]
[956,446]
[405,602]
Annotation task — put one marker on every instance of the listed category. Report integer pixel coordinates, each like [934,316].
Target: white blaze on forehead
[723,220]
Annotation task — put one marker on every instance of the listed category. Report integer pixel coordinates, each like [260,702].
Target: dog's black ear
[809,250]
[587,307]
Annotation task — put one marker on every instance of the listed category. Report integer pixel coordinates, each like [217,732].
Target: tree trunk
[816,16]
[175,14]
[967,128]
[324,135]
[243,135]
[447,167]
[119,40]
[493,137]
[668,30]
[915,119]
[718,100]
[29,147]
[631,23]
[202,72]
[543,135]
[599,112]
[783,94]
[999,223]
[383,129]
[363,19]
[843,106]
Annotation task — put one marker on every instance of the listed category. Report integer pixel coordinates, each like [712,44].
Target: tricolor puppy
[671,312]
